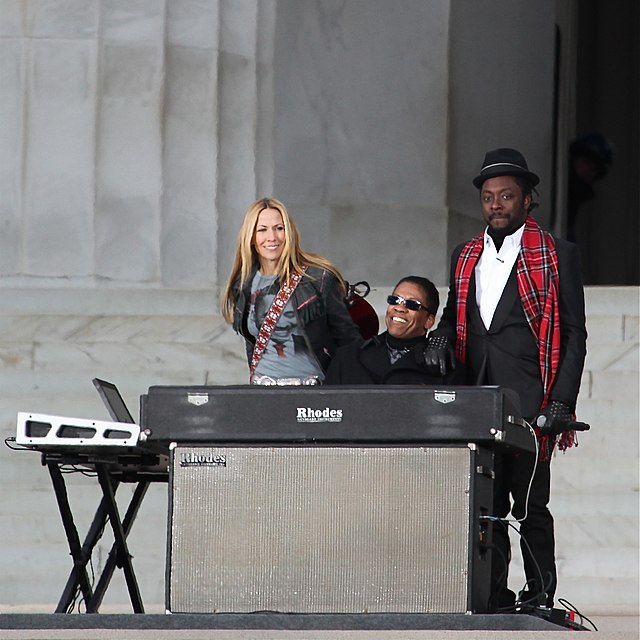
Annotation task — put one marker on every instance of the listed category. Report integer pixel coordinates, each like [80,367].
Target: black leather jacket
[368,363]
[320,310]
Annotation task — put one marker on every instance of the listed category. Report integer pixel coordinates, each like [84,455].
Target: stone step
[52,343]
[116,328]
[613,386]
[622,301]
[612,356]
[611,328]
[599,301]
[107,301]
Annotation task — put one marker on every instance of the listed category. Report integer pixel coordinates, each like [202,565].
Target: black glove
[438,355]
[553,418]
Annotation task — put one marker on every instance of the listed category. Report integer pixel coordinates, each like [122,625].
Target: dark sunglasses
[412,305]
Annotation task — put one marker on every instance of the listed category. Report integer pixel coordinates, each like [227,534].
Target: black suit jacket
[368,363]
[506,354]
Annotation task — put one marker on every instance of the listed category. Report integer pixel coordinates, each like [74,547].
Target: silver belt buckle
[306,382]
[286,382]
[264,380]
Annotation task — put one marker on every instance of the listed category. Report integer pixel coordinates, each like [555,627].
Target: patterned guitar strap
[271,319]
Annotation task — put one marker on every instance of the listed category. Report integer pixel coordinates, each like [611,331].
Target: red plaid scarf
[538,285]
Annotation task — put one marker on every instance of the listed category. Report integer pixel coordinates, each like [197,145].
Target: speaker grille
[319,530]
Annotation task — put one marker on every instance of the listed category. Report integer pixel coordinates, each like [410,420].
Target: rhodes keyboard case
[366,414]
[320,529]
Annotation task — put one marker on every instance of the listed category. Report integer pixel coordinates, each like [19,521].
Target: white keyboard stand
[44,430]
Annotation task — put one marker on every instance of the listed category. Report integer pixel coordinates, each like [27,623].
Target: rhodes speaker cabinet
[312,529]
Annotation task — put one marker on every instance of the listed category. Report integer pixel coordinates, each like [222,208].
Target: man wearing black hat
[515,314]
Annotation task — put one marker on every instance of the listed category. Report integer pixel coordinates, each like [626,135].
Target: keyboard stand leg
[122,555]
[112,560]
[80,554]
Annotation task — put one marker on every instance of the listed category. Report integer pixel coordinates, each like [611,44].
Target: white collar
[511,241]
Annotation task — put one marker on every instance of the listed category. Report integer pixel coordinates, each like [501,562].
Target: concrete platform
[269,626]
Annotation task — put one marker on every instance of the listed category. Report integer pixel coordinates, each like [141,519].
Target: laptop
[113,401]
[120,413]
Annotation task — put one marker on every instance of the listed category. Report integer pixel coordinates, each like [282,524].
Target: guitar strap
[271,319]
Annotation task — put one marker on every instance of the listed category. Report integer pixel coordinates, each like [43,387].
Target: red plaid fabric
[538,285]
[467,261]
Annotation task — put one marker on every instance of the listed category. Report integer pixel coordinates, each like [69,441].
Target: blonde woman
[287,301]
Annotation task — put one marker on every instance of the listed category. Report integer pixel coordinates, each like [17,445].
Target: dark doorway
[607,104]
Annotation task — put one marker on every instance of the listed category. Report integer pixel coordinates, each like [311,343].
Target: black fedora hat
[505,162]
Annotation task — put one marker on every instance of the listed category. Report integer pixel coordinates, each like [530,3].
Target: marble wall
[129,137]
[135,133]
[502,57]
[361,132]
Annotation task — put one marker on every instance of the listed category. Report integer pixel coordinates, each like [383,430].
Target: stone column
[244,127]
[361,133]
[134,135]
[128,168]
[58,54]
[190,155]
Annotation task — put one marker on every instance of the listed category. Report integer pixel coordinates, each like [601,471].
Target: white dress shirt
[492,272]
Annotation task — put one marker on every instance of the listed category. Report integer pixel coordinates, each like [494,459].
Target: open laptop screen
[113,401]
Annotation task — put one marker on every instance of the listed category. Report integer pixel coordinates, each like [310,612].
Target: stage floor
[17,626]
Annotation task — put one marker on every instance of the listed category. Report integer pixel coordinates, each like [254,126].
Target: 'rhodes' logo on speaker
[192,459]
[306,414]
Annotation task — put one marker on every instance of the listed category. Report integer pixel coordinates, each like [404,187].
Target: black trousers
[537,541]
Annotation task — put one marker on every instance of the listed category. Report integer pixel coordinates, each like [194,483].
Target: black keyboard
[385,414]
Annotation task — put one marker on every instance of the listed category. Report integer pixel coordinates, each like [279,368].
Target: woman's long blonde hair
[292,260]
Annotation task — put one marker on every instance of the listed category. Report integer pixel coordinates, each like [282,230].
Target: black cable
[545,587]
[567,605]
[506,561]
[10,442]
[78,597]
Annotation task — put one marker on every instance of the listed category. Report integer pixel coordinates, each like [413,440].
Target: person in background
[590,156]
[515,314]
[287,303]
[397,355]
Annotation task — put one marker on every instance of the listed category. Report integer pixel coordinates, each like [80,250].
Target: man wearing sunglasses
[397,355]
[515,314]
